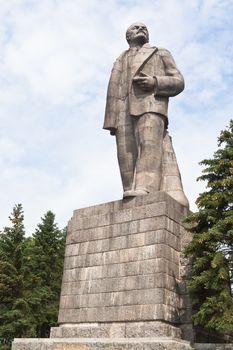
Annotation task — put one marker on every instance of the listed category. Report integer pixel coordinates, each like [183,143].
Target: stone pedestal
[101,344]
[124,278]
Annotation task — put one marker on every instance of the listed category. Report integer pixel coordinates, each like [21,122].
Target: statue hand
[145,81]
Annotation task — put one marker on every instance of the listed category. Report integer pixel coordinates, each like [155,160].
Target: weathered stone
[126,215]
[123,255]
[124,271]
[123,242]
[116,330]
[129,283]
[105,208]
[101,344]
[142,80]
[202,346]
[140,267]
[126,228]
[167,313]
[139,297]
[159,343]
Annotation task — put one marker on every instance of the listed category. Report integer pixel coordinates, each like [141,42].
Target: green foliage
[13,306]
[212,245]
[30,278]
[45,263]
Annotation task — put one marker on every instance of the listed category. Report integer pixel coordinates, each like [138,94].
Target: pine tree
[212,245]
[45,263]
[13,306]
[30,278]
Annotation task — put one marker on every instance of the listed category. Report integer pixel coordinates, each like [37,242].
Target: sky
[55,61]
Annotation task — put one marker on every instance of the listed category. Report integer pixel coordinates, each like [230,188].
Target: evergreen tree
[13,306]
[45,265]
[30,278]
[212,245]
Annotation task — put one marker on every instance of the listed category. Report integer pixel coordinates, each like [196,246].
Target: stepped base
[202,346]
[116,330]
[101,344]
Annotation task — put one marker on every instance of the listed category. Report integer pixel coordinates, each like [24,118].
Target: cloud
[55,61]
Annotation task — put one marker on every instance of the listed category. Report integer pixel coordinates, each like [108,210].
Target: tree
[14,307]
[45,264]
[30,278]
[212,245]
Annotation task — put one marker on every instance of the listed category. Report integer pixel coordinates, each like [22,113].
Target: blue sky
[55,61]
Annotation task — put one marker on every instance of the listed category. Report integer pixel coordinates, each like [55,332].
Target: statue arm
[111,109]
[172,83]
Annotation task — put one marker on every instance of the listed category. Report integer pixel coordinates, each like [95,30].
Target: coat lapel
[143,55]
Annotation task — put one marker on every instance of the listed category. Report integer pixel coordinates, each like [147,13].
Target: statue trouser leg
[126,152]
[146,157]
[149,133]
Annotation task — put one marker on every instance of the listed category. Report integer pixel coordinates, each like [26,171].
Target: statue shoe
[134,193]
[140,192]
[129,193]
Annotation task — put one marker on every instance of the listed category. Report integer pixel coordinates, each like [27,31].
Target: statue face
[137,33]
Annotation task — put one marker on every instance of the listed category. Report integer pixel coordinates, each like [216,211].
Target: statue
[142,80]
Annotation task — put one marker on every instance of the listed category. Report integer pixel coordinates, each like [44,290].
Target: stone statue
[142,80]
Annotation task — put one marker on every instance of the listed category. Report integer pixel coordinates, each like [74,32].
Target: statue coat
[124,96]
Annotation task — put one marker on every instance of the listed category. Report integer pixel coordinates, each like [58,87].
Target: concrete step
[101,344]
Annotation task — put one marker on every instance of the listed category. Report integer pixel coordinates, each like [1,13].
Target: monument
[124,280]
[142,80]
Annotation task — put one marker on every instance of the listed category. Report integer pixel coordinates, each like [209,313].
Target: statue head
[137,34]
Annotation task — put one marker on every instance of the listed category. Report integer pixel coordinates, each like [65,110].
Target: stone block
[116,330]
[160,196]
[101,344]
[95,233]
[144,282]
[135,297]
[124,313]
[126,215]
[203,346]
[140,267]
[122,260]
[122,256]
[123,242]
